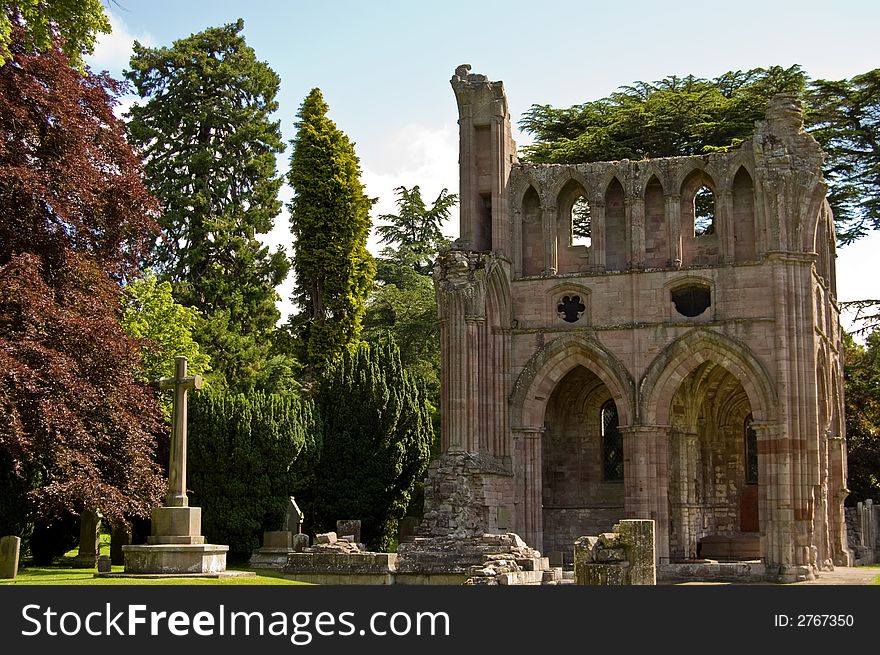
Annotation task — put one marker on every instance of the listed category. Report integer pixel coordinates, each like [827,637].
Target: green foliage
[165,328]
[76,21]
[329,219]
[76,427]
[376,443]
[690,116]
[416,228]
[247,455]
[209,148]
[673,116]
[845,118]
[862,399]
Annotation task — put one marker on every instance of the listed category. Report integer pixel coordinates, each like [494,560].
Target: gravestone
[406,529]
[104,564]
[89,539]
[300,542]
[120,535]
[350,529]
[278,544]
[176,544]
[10,548]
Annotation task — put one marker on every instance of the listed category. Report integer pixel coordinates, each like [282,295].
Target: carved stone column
[551,255]
[673,223]
[528,477]
[646,478]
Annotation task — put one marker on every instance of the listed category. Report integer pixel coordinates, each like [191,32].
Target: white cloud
[415,155]
[113,51]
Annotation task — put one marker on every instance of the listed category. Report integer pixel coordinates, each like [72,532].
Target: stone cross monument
[176,544]
[180,383]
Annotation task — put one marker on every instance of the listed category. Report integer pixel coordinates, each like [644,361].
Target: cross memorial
[176,544]
[180,383]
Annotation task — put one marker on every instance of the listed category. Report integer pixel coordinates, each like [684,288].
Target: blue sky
[384,67]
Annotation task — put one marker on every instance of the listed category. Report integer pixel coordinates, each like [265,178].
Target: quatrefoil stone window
[570,308]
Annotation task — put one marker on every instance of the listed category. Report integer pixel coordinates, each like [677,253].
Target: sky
[384,68]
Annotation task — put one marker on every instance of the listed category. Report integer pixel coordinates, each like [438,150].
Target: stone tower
[643,339]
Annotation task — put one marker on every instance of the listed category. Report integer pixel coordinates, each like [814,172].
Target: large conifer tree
[209,148]
[330,222]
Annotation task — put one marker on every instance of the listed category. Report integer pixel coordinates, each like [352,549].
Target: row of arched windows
[590,239]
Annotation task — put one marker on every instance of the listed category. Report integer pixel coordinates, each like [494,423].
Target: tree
[209,148]
[77,22]
[862,399]
[845,118]
[329,219]
[76,428]
[673,116]
[417,228]
[376,438]
[165,329]
[690,115]
[247,455]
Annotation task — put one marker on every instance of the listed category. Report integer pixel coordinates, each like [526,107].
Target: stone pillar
[646,480]
[637,232]
[10,549]
[673,222]
[597,229]
[775,509]
[551,254]
[724,225]
[89,539]
[528,480]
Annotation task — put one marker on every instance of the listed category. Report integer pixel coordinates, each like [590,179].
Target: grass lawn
[67,575]
[54,575]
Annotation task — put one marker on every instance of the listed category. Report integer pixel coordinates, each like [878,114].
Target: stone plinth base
[176,525]
[175,558]
[160,576]
[274,559]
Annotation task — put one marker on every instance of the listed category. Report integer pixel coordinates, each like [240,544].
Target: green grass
[53,575]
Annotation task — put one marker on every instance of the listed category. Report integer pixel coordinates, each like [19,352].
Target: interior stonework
[705,312]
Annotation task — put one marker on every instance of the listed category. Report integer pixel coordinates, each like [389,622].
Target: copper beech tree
[76,429]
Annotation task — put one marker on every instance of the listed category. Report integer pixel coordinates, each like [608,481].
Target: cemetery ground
[61,572]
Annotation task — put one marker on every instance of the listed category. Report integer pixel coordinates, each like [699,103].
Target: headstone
[120,535]
[104,564]
[349,529]
[406,529]
[325,538]
[294,517]
[300,542]
[10,547]
[89,539]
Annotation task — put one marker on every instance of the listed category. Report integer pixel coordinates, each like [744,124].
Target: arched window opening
[704,212]
[581,225]
[691,300]
[612,443]
[751,438]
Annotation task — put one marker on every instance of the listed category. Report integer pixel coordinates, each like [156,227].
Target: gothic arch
[552,362]
[520,181]
[673,364]
[563,178]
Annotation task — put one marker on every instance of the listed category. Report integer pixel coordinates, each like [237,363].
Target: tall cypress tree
[329,219]
[375,443]
[209,148]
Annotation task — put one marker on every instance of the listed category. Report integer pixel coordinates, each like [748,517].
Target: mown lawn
[62,574]
[55,575]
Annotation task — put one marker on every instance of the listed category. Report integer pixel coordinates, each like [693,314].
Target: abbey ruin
[643,339]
